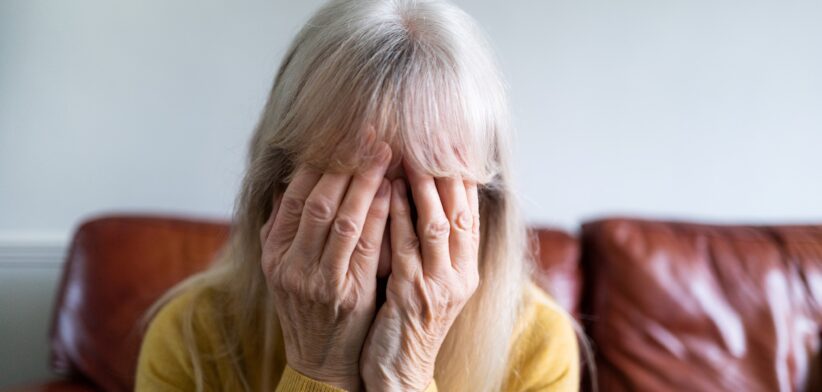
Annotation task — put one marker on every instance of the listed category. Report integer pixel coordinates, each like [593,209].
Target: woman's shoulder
[542,316]
[164,354]
[545,352]
[192,302]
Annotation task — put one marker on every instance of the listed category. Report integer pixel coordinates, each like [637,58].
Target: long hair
[420,74]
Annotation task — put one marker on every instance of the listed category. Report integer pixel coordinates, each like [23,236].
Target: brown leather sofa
[668,306]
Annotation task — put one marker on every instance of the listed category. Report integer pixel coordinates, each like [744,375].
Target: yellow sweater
[545,355]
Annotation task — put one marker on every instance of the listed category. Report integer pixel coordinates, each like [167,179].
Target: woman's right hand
[320,250]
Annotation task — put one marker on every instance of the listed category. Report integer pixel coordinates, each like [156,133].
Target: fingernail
[383,189]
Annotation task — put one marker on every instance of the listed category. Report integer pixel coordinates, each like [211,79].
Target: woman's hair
[420,74]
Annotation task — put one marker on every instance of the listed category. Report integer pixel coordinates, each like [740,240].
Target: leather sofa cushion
[680,306]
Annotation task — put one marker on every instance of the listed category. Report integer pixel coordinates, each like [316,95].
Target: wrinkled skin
[433,274]
[321,249]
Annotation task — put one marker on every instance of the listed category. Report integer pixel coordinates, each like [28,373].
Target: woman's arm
[165,365]
[320,252]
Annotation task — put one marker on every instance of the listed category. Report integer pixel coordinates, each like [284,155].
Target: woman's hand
[320,251]
[433,274]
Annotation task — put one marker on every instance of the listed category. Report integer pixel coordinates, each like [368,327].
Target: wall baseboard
[32,254]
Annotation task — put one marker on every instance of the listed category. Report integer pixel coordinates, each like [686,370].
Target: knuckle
[287,280]
[367,247]
[319,209]
[346,227]
[323,295]
[325,287]
[349,303]
[409,245]
[436,230]
[378,210]
[463,220]
[291,204]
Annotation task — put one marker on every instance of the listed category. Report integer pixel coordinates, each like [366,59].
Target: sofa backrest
[118,266]
[557,266]
[115,269]
[678,306]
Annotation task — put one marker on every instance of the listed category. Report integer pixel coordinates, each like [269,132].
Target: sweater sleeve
[294,381]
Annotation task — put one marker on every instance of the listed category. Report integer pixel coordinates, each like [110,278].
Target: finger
[348,224]
[290,210]
[268,262]
[455,204]
[266,229]
[319,212]
[366,254]
[472,193]
[405,247]
[432,225]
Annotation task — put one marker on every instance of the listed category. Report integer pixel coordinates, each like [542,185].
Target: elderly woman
[376,243]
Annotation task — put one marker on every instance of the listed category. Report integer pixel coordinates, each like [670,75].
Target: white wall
[691,109]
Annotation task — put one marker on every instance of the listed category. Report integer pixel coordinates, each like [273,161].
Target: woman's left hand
[433,274]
